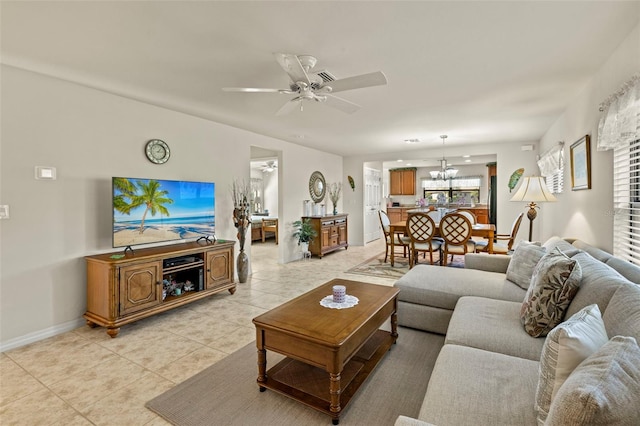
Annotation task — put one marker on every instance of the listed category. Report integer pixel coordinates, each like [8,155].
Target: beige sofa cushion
[441,287]
[555,282]
[603,390]
[566,346]
[470,386]
[622,316]
[492,325]
[598,284]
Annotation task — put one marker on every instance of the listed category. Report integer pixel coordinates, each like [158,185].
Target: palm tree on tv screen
[151,197]
[141,194]
[127,190]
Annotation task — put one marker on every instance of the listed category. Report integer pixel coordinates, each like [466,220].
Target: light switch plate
[4,212]
[47,173]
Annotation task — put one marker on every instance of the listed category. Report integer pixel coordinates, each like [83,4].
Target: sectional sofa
[491,371]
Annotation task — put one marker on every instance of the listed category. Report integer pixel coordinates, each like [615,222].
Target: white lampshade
[533,188]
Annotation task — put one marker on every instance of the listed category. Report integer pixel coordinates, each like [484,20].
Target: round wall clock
[158,151]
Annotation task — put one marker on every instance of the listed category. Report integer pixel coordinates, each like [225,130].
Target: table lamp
[533,190]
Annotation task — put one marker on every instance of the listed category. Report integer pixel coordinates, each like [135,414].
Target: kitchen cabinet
[402,181]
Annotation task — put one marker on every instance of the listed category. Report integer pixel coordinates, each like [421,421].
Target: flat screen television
[149,211]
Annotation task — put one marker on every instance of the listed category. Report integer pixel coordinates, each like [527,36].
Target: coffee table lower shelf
[310,385]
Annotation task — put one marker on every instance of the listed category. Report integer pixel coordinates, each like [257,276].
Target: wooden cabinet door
[395,182]
[325,237]
[408,182]
[482,215]
[218,268]
[395,215]
[140,287]
[342,233]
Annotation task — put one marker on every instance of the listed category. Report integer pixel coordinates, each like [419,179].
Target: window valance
[620,121]
[551,161]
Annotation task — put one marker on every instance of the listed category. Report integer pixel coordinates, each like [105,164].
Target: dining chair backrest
[420,227]
[384,221]
[514,230]
[435,215]
[455,229]
[472,217]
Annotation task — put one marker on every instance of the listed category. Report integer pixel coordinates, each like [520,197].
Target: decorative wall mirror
[317,186]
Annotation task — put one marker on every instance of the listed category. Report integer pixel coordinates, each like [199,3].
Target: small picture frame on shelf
[581,164]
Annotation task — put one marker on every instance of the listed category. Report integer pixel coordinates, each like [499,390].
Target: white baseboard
[41,334]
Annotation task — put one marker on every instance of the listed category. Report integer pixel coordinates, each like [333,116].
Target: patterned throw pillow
[524,259]
[566,346]
[555,281]
[603,390]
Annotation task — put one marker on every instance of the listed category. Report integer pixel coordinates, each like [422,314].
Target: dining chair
[472,217]
[455,229]
[504,247]
[421,229]
[399,238]
[269,225]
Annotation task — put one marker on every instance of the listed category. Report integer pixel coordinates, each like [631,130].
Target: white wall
[90,136]
[590,215]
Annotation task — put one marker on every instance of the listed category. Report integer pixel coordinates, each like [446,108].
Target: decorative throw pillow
[566,346]
[603,390]
[555,281]
[524,259]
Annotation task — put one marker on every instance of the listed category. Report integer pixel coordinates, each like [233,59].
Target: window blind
[555,181]
[466,182]
[626,202]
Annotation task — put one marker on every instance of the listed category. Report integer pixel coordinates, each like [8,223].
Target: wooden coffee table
[345,343]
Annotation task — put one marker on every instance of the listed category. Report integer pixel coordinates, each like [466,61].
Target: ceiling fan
[314,86]
[269,166]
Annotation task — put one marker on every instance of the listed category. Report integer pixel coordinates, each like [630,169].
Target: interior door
[372,200]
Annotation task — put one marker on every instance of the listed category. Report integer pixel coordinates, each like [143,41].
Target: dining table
[485,230]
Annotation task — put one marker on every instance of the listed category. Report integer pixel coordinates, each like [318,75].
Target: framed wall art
[581,164]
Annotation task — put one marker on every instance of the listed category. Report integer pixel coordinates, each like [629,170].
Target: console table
[123,287]
[332,232]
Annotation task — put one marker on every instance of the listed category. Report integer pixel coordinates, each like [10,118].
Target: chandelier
[445,172]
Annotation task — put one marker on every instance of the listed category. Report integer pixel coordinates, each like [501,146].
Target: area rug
[377,267]
[227,393]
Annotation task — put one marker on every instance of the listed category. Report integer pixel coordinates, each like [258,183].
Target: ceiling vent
[326,76]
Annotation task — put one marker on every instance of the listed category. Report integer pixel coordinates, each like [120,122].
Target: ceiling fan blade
[289,107]
[250,90]
[357,82]
[341,104]
[292,66]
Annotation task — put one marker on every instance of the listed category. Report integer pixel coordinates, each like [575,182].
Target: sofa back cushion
[625,268]
[554,242]
[622,316]
[524,259]
[599,282]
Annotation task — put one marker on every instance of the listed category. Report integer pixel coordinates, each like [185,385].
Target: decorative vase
[304,246]
[335,209]
[242,266]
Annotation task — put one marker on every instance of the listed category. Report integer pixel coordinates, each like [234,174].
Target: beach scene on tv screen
[154,210]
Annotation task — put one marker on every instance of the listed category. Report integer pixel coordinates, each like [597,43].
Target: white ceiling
[481,72]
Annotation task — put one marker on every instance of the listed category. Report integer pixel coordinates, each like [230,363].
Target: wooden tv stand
[123,287]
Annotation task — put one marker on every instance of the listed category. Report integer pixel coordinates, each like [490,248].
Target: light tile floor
[84,377]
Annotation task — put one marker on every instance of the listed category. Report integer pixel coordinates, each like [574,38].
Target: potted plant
[304,232]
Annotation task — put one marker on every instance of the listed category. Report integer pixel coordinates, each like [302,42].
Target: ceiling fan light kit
[317,87]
